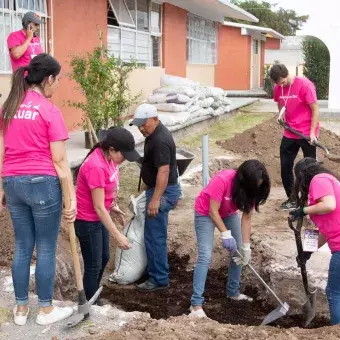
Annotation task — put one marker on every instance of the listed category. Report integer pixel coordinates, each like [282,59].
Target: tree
[285,21]
[317,64]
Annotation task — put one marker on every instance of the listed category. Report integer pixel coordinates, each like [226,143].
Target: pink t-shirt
[18,38]
[329,224]
[27,139]
[298,113]
[219,189]
[95,172]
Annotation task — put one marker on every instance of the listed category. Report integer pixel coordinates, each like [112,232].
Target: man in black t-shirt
[159,174]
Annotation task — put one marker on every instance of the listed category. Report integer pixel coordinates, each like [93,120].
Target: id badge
[33,55]
[311,240]
[282,112]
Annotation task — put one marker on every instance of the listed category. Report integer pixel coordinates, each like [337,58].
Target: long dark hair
[36,73]
[247,193]
[304,171]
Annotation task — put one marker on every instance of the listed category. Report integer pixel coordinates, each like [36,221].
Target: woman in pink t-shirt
[216,206]
[318,195]
[32,155]
[97,182]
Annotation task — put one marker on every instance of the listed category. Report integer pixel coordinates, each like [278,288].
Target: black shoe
[288,205]
[148,286]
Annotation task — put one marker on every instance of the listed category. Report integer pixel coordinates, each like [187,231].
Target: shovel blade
[309,309]
[74,320]
[275,314]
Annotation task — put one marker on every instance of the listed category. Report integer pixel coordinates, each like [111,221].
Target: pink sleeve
[95,178]
[310,94]
[13,41]
[57,130]
[321,187]
[276,94]
[216,189]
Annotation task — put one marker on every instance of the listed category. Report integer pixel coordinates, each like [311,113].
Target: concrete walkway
[76,151]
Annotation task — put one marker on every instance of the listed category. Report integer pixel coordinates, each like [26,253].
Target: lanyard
[286,100]
[114,173]
[32,48]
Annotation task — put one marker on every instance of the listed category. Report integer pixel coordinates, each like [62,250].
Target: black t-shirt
[159,150]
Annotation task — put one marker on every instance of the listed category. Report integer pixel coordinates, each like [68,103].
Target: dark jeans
[35,204]
[288,151]
[333,288]
[156,234]
[95,247]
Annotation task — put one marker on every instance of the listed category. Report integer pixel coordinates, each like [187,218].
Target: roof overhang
[251,30]
[215,10]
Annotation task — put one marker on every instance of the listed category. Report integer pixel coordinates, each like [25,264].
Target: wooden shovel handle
[76,263]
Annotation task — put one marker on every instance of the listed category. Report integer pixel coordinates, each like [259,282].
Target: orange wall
[174,40]
[74,31]
[233,69]
[263,44]
[272,44]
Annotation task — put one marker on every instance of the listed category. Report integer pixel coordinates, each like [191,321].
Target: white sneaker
[57,314]
[241,297]
[199,313]
[20,318]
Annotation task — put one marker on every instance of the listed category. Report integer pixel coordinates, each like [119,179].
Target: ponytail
[76,170]
[16,95]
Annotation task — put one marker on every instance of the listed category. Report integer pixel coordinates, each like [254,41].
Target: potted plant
[103,80]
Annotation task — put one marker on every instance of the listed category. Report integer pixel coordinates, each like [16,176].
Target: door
[256,64]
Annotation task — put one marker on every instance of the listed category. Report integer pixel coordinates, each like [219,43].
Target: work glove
[297,213]
[245,255]
[228,242]
[305,257]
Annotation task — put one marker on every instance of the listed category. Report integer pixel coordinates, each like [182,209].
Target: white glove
[245,255]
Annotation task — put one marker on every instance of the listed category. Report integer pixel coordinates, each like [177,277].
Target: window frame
[124,28]
[201,41]
[15,14]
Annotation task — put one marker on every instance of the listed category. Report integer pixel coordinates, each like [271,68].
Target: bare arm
[18,51]
[322,240]
[315,117]
[325,205]
[215,215]
[246,227]
[59,158]
[98,200]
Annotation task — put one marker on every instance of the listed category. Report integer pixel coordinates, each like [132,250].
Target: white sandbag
[130,264]
[178,99]
[167,80]
[193,108]
[173,118]
[206,102]
[160,98]
[212,91]
[216,104]
[226,101]
[170,107]
[222,110]
[188,91]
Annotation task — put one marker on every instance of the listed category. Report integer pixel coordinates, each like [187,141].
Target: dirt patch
[263,143]
[176,300]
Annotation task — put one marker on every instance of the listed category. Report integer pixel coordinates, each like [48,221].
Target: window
[201,41]
[11,13]
[139,38]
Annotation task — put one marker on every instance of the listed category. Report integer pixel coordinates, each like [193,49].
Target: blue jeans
[35,205]
[333,288]
[156,234]
[205,227]
[95,247]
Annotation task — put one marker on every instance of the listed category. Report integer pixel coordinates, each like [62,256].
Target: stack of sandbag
[180,99]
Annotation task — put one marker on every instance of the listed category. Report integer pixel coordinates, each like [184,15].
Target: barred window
[201,40]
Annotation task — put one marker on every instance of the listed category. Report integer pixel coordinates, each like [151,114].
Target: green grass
[225,129]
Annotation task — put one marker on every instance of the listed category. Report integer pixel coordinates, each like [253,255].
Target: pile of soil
[263,143]
[175,301]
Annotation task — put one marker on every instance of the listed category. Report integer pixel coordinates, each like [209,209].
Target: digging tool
[309,307]
[277,312]
[297,133]
[83,304]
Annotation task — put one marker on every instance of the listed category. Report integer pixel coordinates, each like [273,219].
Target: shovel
[277,312]
[83,304]
[309,307]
